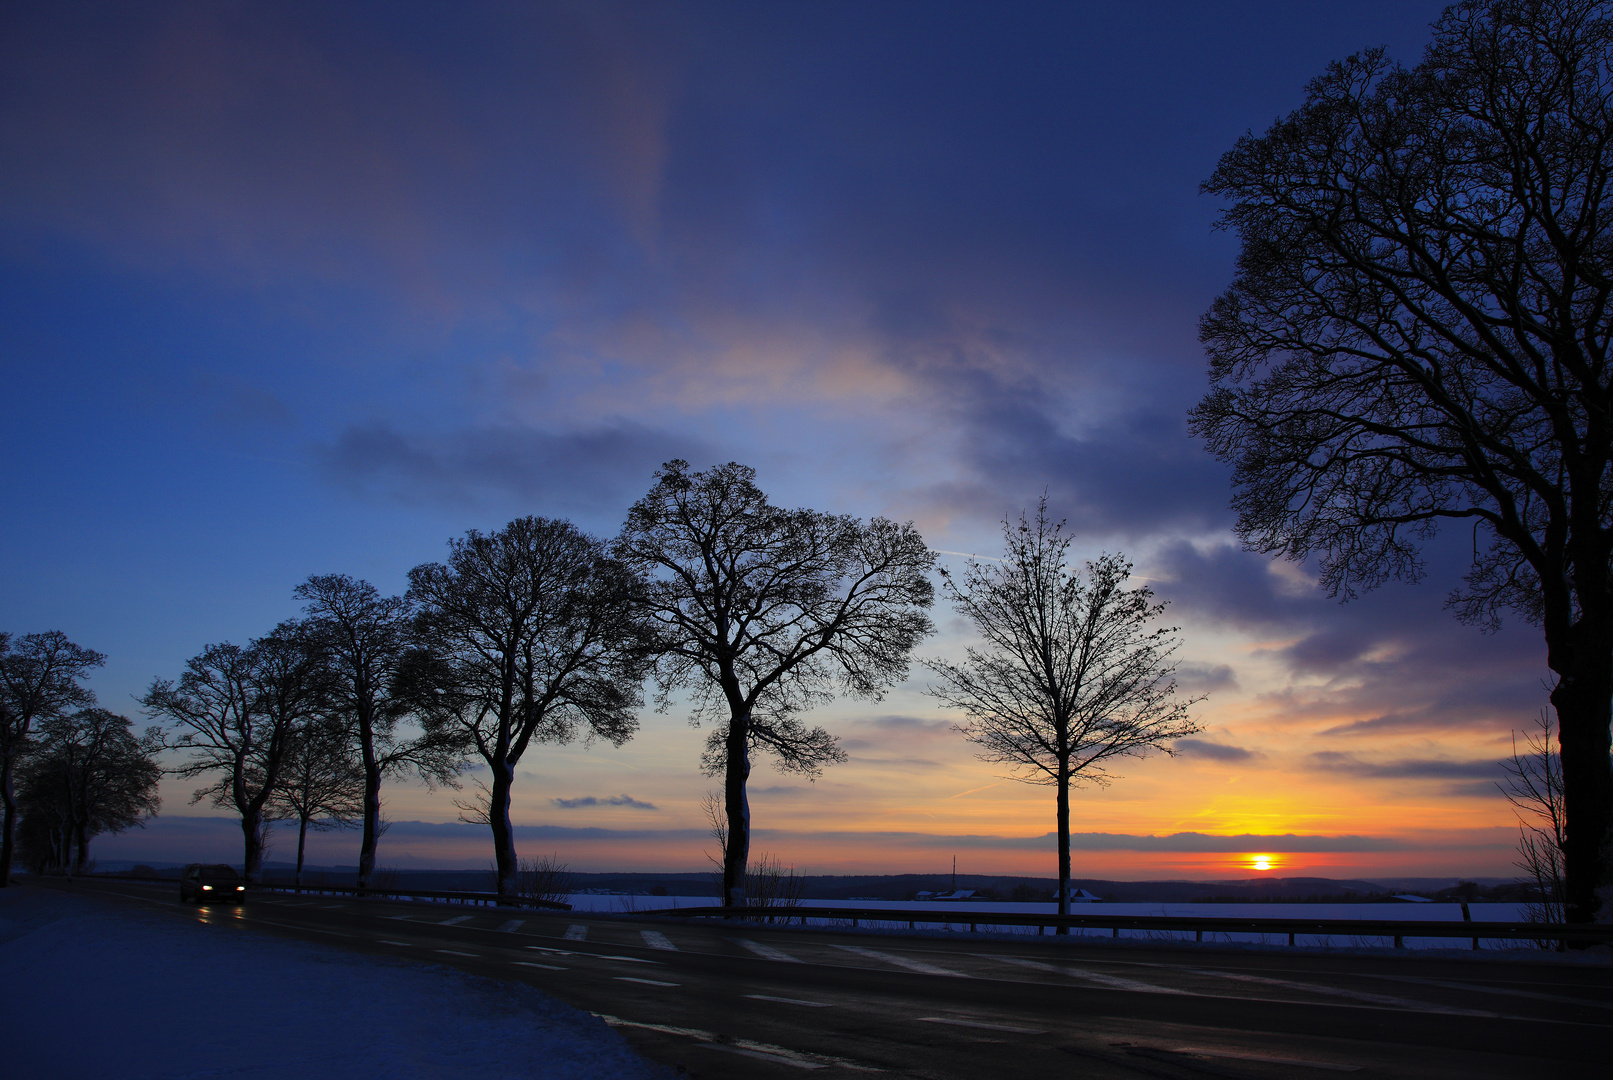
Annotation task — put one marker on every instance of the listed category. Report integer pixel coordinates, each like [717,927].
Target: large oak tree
[526,636]
[1417,334]
[762,612]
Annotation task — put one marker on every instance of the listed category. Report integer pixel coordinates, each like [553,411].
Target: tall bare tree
[322,783]
[1069,674]
[1418,333]
[364,637]
[89,774]
[237,711]
[41,675]
[526,636]
[763,612]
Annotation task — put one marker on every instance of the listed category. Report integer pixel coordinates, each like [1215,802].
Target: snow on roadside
[93,990]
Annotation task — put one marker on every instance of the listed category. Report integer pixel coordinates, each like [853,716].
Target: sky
[294,289]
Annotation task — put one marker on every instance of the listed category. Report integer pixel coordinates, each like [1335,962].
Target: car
[203,882]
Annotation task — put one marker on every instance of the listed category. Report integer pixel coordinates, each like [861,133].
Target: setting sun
[1263,862]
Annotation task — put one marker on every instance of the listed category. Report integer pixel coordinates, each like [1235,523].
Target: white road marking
[982,1024]
[750,1047]
[576,932]
[629,959]
[766,951]
[557,952]
[901,961]
[1114,982]
[1355,995]
[451,952]
[1496,990]
[400,918]
[762,1055]
[332,907]
[455,921]
[546,967]
[657,940]
[1331,1066]
[384,941]
[512,926]
[793,1001]
[646,982]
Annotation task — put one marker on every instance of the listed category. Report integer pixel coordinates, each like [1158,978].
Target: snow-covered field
[1408,912]
[91,991]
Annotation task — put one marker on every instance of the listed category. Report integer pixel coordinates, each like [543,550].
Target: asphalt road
[744,1000]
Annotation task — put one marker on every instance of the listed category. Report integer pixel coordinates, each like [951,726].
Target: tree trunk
[1583,699]
[498,817]
[370,835]
[9,796]
[737,804]
[1064,844]
[302,839]
[252,832]
[81,840]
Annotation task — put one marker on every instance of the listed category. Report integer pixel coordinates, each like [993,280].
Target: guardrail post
[1199,936]
[1115,932]
[1290,937]
[1400,942]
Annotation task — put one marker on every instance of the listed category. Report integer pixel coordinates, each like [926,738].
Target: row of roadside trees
[538,633]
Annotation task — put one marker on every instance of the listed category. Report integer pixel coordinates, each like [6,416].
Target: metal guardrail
[377,892]
[491,899]
[1398,929]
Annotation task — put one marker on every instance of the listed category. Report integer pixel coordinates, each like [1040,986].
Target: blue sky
[291,289]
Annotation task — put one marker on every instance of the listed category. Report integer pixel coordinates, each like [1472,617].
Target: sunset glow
[291,296]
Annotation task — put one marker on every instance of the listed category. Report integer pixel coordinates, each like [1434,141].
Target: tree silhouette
[526,636]
[40,677]
[1418,333]
[1068,676]
[363,637]
[237,711]
[763,612]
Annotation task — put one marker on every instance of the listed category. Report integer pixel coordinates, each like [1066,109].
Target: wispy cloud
[609,800]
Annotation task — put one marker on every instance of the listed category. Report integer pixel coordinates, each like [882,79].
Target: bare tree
[1418,333]
[322,783]
[1068,676]
[526,636]
[237,711]
[764,612]
[40,676]
[1534,787]
[89,774]
[364,637]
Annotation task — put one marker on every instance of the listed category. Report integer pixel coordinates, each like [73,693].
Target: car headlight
[207,888]
[240,888]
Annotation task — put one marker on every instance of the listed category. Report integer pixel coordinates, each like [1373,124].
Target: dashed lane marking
[981,1024]
[793,1001]
[1354,995]
[765,951]
[596,956]
[546,967]
[512,926]
[1114,982]
[455,921]
[384,941]
[901,961]
[748,1047]
[400,918]
[453,952]
[1198,1051]
[646,982]
[576,932]
[657,940]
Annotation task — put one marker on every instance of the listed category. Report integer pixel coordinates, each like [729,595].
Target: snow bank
[96,991]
